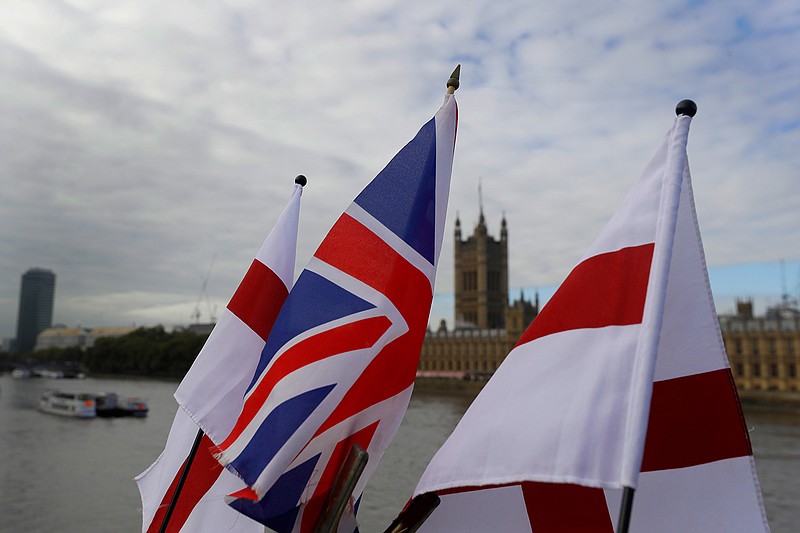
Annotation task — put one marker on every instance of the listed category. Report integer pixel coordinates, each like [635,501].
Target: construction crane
[204,296]
[786,299]
[789,306]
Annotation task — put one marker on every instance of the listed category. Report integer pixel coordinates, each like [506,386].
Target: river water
[66,475]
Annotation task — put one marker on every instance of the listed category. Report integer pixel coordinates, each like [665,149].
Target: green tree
[150,351]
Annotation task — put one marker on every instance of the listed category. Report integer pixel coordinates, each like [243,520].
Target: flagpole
[625,508]
[688,108]
[412,517]
[184,474]
[342,490]
[302,181]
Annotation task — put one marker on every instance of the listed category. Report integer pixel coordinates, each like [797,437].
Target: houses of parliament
[486,325]
[764,352]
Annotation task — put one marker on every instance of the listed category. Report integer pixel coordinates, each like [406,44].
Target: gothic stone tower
[481,277]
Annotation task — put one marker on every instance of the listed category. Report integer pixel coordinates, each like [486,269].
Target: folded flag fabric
[211,394]
[339,365]
[212,391]
[623,371]
[201,504]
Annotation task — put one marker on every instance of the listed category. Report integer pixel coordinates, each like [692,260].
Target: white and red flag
[621,381]
[339,365]
[211,395]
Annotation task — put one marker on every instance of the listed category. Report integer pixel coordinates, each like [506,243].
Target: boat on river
[74,404]
[109,404]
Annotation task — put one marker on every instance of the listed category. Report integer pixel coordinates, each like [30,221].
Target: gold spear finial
[452,83]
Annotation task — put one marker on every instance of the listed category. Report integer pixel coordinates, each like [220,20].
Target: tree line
[149,351]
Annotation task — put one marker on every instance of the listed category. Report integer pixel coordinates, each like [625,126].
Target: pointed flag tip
[453,82]
[245,494]
[686,107]
[301,180]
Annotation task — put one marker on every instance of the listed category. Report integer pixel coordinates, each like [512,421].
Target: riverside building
[764,351]
[486,325]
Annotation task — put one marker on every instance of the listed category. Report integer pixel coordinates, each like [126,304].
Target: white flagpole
[661,261]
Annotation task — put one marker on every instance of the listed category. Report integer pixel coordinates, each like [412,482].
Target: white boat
[76,404]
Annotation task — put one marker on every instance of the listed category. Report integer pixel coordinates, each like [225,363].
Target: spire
[481,220]
[481,227]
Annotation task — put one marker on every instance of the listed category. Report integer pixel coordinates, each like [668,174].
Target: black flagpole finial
[453,81]
[686,107]
[301,180]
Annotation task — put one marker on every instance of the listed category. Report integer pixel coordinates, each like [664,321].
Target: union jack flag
[339,364]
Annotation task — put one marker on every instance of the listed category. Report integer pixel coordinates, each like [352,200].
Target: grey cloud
[140,140]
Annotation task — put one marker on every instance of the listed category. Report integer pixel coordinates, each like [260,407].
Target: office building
[36,297]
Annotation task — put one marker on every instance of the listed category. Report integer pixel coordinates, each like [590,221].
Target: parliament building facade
[764,352]
[486,325]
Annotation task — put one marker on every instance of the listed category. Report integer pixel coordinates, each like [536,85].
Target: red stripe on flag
[245,494]
[202,475]
[605,290]
[694,420]
[563,508]
[556,507]
[259,298]
[357,251]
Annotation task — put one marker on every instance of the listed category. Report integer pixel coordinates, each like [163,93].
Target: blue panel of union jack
[338,367]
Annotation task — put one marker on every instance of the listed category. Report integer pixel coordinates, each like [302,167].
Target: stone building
[64,337]
[481,277]
[486,325]
[764,352]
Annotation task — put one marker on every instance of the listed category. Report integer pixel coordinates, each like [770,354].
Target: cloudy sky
[146,147]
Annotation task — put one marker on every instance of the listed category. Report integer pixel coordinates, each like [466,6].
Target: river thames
[69,475]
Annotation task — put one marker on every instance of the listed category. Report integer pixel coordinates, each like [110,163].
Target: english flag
[623,371]
[211,395]
[338,367]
